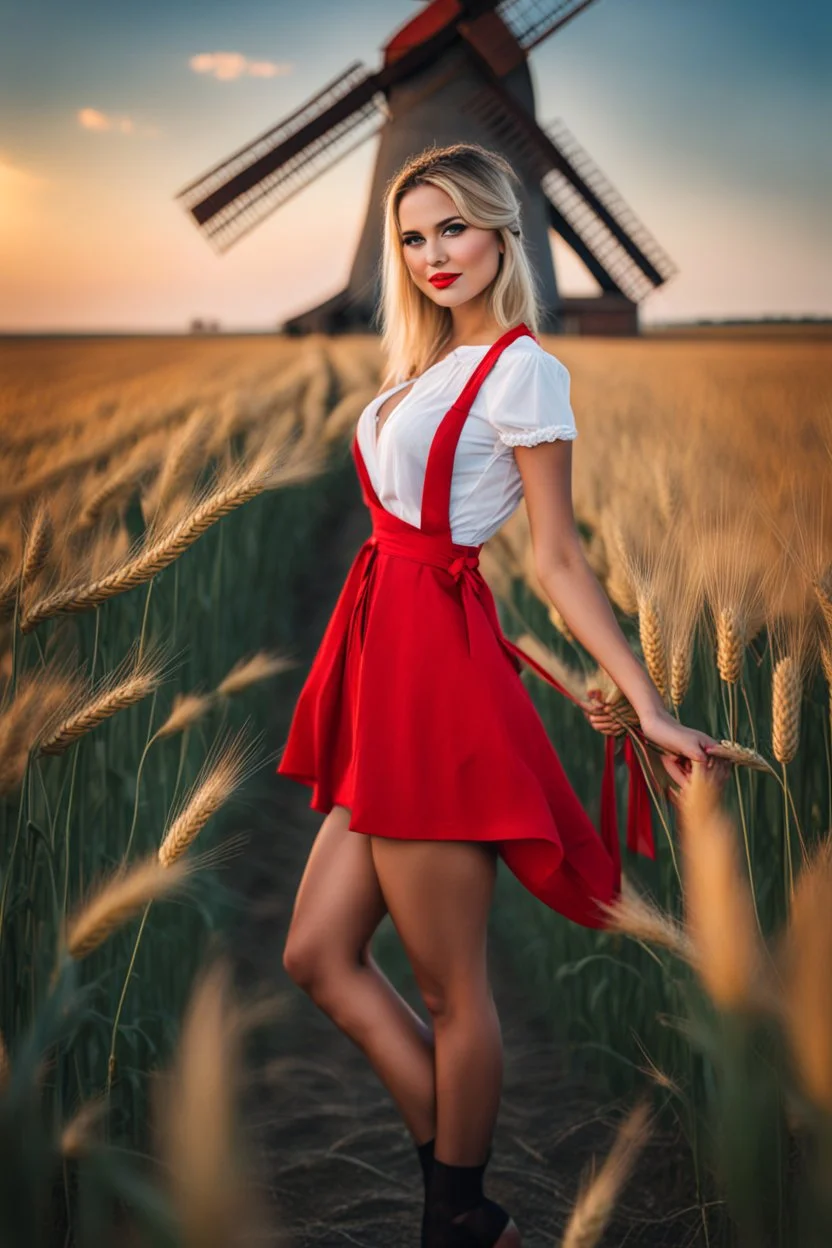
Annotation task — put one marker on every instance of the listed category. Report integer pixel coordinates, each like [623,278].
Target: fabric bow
[460,563]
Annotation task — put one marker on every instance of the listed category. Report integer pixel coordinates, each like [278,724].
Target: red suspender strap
[436,493]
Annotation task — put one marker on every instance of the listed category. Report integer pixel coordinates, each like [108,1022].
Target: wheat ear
[117,900]
[594,1206]
[785,709]
[216,782]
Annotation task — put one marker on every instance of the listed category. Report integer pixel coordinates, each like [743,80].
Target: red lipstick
[443,279]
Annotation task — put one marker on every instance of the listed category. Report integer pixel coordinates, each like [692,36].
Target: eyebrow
[439,224]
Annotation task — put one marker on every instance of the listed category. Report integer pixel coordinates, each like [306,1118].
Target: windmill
[457,72]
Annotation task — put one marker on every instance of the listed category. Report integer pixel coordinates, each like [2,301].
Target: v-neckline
[375,429]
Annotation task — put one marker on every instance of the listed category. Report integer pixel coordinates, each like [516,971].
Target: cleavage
[396,399]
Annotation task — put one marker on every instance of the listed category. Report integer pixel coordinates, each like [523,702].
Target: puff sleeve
[529,401]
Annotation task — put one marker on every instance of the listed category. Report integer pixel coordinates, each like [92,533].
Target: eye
[413,238]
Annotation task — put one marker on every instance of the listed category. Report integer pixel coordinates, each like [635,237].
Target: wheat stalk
[117,900]
[183,459]
[216,782]
[38,544]
[822,586]
[826,661]
[242,485]
[620,580]
[593,1208]
[719,912]
[38,698]
[114,694]
[120,479]
[804,957]
[249,671]
[195,1108]
[186,710]
[635,915]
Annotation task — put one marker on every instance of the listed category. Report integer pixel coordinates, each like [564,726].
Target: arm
[571,585]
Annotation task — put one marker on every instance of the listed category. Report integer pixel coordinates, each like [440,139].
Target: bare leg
[338,907]
[439,894]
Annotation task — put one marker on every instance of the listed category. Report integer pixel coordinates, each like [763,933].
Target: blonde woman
[421,743]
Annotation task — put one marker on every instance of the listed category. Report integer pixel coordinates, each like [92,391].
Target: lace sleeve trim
[531,437]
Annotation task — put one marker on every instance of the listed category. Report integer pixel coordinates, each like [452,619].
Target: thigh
[339,902]
[439,895]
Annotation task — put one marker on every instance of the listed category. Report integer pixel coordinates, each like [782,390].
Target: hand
[680,747]
[610,720]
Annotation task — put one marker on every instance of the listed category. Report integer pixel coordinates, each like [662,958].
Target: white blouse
[523,400]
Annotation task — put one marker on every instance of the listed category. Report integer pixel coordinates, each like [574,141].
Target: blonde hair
[415,330]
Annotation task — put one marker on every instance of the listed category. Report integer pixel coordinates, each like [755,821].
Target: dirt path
[339,1163]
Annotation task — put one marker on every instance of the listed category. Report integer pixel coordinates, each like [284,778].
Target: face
[435,239]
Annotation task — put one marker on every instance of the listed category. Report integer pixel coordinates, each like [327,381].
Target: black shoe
[425,1152]
[457,1213]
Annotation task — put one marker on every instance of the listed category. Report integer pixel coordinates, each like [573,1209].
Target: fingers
[673,769]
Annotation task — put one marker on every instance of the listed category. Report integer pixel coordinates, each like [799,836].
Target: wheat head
[785,709]
[594,1205]
[637,916]
[249,671]
[730,641]
[219,780]
[652,641]
[113,695]
[117,900]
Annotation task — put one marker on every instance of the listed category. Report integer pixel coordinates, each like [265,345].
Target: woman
[414,728]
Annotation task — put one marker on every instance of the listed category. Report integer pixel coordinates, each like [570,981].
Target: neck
[472,329]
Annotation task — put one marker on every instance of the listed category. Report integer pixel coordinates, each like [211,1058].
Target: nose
[435,256]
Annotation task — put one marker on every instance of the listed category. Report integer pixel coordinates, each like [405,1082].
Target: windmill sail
[617,248]
[235,195]
[635,269]
[532,21]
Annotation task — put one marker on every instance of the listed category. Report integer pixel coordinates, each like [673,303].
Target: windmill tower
[457,72]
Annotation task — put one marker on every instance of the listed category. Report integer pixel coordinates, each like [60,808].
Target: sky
[710,117]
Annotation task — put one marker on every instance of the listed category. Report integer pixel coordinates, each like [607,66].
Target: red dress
[414,715]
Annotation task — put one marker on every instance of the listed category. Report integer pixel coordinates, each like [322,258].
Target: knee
[316,966]
[447,1003]
[303,961]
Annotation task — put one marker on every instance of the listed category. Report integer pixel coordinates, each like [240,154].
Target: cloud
[13,177]
[226,66]
[93,119]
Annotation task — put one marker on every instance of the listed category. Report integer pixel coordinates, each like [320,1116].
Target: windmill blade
[625,257]
[230,199]
[532,21]
[635,279]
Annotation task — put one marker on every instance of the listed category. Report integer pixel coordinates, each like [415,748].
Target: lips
[443,279]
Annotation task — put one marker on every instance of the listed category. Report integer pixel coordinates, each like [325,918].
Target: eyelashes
[454,226]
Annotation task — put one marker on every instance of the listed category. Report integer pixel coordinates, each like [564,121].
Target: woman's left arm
[571,585]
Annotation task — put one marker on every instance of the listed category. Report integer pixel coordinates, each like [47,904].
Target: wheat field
[150,487]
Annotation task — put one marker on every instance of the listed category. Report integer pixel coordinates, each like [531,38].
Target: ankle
[425,1152]
[454,1189]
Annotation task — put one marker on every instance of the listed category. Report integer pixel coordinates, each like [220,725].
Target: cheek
[475,249]
[411,259]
